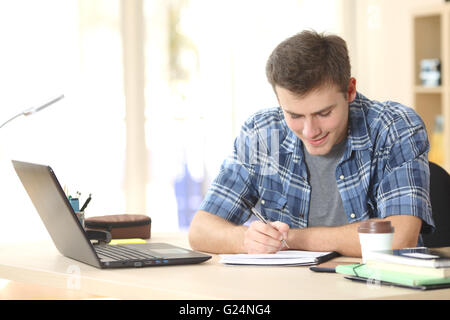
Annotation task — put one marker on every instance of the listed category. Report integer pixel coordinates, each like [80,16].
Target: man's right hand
[265,238]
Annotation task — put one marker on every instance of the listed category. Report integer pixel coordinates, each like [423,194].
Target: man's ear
[351,90]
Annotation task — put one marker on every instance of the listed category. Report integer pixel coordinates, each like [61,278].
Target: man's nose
[311,129]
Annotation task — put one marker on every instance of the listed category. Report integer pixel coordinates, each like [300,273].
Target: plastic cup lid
[375,226]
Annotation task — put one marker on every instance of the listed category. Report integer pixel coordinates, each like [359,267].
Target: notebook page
[279,258]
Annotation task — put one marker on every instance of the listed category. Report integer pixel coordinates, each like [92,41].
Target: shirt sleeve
[404,188]
[234,182]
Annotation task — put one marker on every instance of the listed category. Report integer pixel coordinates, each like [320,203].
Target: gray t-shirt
[325,207]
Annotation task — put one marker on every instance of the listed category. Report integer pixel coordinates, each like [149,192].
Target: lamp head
[33,110]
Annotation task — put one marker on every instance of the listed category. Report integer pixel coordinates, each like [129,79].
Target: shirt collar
[358,129]
[291,141]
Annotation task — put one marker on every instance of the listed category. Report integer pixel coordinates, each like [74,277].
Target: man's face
[319,118]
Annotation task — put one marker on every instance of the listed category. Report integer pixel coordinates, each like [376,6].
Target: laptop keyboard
[119,253]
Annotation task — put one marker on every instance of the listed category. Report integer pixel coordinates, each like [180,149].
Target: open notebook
[281,258]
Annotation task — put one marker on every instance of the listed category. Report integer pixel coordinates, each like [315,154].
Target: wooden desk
[41,264]
[14,290]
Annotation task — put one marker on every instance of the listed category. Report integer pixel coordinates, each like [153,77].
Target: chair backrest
[440,203]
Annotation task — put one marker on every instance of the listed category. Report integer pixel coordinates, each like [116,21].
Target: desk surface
[41,264]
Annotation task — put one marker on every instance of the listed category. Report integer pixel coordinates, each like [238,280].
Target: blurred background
[156,90]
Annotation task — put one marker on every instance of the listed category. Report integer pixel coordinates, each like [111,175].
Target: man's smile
[317,142]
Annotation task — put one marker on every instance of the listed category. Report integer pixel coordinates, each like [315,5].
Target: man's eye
[325,114]
[295,116]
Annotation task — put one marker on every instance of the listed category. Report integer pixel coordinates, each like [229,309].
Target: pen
[86,202]
[260,217]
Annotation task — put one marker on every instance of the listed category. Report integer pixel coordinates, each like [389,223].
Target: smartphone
[329,266]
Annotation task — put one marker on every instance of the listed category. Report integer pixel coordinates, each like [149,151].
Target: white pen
[260,217]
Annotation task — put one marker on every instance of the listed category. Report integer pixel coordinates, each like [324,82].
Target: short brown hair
[308,61]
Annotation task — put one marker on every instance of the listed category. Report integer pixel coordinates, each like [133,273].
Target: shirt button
[341,177]
[263,202]
[352,215]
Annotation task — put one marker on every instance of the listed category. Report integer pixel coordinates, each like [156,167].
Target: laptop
[70,238]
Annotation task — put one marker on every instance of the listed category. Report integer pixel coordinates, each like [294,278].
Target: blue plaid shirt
[384,170]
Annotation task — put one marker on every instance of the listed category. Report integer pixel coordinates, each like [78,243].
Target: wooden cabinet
[431,38]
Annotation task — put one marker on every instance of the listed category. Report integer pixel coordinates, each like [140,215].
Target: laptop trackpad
[169,253]
[161,250]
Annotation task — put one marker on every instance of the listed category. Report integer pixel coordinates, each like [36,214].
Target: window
[52,47]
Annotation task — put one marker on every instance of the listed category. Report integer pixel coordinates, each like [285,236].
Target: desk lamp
[33,110]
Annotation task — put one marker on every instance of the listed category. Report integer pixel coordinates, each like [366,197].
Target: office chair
[440,203]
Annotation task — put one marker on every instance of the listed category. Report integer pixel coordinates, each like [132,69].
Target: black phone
[329,266]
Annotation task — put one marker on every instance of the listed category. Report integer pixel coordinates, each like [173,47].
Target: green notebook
[407,279]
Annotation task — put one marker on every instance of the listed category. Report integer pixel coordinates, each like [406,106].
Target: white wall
[383,47]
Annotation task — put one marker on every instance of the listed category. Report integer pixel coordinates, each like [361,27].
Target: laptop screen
[55,211]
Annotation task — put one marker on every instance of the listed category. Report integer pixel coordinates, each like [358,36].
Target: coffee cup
[375,235]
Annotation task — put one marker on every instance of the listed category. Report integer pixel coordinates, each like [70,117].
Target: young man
[316,166]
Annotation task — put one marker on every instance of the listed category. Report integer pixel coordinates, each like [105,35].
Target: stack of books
[419,268]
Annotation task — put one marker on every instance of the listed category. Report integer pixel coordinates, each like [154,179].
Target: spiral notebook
[281,258]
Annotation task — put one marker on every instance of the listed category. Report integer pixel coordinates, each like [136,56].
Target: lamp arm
[17,115]
[30,111]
